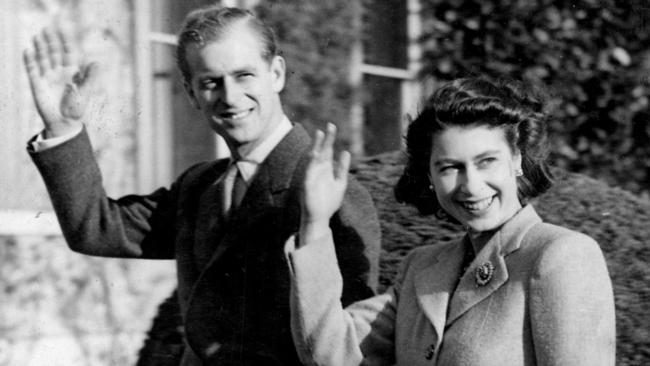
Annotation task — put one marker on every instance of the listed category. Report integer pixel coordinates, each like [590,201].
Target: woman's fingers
[317,145]
[341,170]
[327,151]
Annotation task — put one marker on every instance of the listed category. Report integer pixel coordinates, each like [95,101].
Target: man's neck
[249,150]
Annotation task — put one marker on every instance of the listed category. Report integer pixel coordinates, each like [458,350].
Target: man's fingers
[69,54]
[29,59]
[54,48]
[40,53]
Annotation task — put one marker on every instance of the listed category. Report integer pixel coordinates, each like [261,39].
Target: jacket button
[430,352]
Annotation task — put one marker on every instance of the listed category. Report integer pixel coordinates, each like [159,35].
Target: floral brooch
[483,273]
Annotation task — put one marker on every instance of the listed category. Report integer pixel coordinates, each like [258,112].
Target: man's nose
[230,91]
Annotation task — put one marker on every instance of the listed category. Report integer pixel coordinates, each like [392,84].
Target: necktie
[233,190]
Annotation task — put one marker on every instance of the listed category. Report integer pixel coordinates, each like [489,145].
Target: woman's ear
[517,161]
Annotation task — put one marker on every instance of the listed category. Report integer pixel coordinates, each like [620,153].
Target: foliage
[316,40]
[60,307]
[593,54]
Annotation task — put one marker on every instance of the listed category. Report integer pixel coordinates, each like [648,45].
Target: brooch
[483,273]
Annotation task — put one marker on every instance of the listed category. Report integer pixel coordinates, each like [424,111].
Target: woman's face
[473,171]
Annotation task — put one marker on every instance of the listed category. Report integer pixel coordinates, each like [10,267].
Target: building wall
[58,307]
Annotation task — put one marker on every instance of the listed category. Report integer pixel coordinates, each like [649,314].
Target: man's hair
[515,108]
[207,24]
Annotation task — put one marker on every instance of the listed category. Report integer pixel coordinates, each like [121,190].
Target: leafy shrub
[593,54]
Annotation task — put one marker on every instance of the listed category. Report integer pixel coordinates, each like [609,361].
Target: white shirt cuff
[41,143]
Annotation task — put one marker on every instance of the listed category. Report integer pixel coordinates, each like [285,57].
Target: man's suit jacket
[549,301]
[233,281]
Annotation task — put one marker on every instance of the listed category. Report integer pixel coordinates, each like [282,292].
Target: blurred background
[362,64]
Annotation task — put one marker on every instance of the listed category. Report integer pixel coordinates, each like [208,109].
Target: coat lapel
[435,284]
[274,176]
[505,241]
[469,292]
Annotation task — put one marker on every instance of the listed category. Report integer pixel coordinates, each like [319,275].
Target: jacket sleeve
[572,305]
[326,334]
[92,223]
[357,238]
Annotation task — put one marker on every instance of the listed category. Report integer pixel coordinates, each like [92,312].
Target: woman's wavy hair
[516,108]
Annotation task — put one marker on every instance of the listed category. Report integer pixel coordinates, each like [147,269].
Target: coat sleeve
[324,332]
[92,223]
[572,304]
[357,238]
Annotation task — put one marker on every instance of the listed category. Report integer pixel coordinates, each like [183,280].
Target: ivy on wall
[316,39]
[594,55]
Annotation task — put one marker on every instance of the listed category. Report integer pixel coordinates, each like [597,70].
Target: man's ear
[278,69]
[191,96]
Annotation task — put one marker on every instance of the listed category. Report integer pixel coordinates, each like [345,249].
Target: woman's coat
[548,301]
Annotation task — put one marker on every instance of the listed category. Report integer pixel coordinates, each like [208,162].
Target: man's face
[235,88]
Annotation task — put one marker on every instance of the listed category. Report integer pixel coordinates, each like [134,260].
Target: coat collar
[277,171]
[434,285]
[274,175]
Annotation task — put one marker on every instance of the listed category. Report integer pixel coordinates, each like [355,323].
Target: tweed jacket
[233,281]
[549,301]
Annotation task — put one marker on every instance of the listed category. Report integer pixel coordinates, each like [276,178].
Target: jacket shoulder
[545,235]
[563,247]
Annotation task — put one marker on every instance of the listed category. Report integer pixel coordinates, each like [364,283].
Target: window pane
[384,33]
[382,114]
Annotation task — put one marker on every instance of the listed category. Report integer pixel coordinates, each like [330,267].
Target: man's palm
[60,85]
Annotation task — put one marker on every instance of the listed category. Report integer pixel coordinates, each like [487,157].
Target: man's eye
[245,75]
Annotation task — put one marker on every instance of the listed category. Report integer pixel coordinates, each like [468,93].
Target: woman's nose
[472,182]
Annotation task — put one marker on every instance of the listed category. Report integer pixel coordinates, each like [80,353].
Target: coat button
[430,352]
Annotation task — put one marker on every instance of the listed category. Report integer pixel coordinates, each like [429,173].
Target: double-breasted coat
[548,301]
[233,280]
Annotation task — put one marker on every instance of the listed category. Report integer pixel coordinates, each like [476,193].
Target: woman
[512,291]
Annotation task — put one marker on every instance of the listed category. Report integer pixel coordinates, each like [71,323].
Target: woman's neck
[479,238]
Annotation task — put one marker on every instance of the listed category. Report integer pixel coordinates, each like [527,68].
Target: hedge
[594,56]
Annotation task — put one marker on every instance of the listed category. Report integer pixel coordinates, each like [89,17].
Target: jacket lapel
[274,176]
[506,240]
[469,292]
[435,284]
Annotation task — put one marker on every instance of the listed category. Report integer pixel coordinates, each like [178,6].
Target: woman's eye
[447,168]
[486,162]
[208,84]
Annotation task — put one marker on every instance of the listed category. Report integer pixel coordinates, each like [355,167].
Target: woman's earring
[431,187]
[519,172]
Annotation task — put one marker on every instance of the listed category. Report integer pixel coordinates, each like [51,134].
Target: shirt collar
[249,163]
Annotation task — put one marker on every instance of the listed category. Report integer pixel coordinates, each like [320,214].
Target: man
[233,280]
